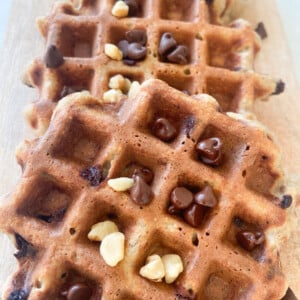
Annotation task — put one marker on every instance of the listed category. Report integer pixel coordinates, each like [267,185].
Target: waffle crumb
[113,52]
[112,248]
[100,230]
[153,269]
[121,184]
[120,9]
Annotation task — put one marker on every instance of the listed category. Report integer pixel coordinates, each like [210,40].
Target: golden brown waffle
[57,252]
[220,64]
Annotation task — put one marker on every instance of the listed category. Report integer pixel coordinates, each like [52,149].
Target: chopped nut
[117,82]
[120,9]
[134,89]
[113,51]
[127,85]
[153,269]
[112,96]
[121,184]
[173,267]
[102,229]
[112,248]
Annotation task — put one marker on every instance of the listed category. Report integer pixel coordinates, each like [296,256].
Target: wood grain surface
[281,114]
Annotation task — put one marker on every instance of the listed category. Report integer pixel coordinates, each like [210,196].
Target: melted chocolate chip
[24,247]
[261,30]
[133,7]
[141,192]
[53,58]
[18,295]
[164,130]
[93,174]
[167,44]
[136,51]
[181,198]
[179,55]
[286,201]
[136,36]
[79,291]
[210,151]
[123,46]
[193,215]
[250,239]
[143,172]
[206,197]
[129,62]
[280,87]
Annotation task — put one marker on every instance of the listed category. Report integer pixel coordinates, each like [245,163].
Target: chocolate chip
[141,192]
[181,198]
[286,201]
[129,62]
[18,295]
[250,239]
[79,291]
[210,151]
[193,215]
[66,91]
[261,30]
[164,130]
[133,7]
[24,247]
[136,51]
[172,210]
[136,36]
[167,44]
[93,174]
[53,58]
[206,197]
[179,55]
[289,295]
[123,46]
[143,172]
[280,87]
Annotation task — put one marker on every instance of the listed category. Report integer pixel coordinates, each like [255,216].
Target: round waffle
[61,196]
[220,57]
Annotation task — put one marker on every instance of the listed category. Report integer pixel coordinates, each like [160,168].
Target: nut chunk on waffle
[180,42]
[165,198]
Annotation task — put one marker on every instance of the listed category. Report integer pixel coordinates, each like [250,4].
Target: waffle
[220,60]
[59,199]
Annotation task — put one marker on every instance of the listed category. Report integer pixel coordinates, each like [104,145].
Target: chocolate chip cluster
[170,51]
[192,207]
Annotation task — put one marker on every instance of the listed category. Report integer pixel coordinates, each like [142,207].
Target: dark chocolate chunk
[133,7]
[206,197]
[210,151]
[24,247]
[79,291]
[164,130]
[136,51]
[250,239]
[286,201]
[93,174]
[18,295]
[143,172]
[179,55]
[261,30]
[136,36]
[193,215]
[123,46]
[141,192]
[66,91]
[172,210]
[129,62]
[167,44]
[289,295]
[181,198]
[53,58]
[280,87]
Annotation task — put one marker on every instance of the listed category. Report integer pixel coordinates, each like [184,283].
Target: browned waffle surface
[220,60]
[53,208]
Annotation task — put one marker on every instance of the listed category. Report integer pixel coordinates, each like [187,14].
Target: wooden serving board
[281,114]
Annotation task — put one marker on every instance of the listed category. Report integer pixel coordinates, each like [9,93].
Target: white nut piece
[112,248]
[134,89]
[127,85]
[100,230]
[121,184]
[112,96]
[153,269]
[117,82]
[173,267]
[120,9]
[113,51]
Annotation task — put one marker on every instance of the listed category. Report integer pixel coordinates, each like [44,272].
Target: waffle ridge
[114,139]
[221,56]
